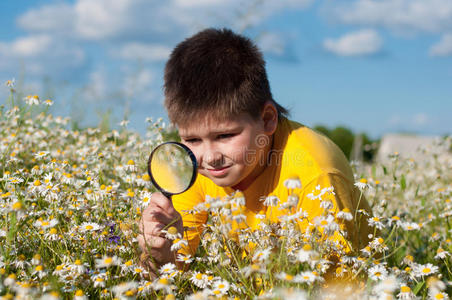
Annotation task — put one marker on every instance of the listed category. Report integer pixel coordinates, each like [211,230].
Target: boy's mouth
[218,171]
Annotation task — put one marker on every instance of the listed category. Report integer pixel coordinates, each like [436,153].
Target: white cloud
[132,20]
[29,46]
[443,47]
[138,85]
[57,17]
[402,16]
[272,42]
[41,55]
[359,43]
[420,119]
[143,51]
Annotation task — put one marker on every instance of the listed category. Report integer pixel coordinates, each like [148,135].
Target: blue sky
[373,66]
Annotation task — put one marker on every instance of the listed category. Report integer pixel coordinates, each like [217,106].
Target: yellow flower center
[89,227]
[172,230]
[17,206]
[288,277]
[108,260]
[426,270]
[163,281]
[198,276]
[405,289]
[79,293]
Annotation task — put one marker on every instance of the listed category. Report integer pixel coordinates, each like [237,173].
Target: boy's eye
[225,136]
[191,141]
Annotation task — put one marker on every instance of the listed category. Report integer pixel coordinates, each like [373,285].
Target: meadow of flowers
[70,203]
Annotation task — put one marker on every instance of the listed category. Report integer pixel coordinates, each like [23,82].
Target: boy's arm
[193,222]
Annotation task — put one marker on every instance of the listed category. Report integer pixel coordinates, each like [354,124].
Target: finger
[163,202]
[152,228]
[156,247]
[159,216]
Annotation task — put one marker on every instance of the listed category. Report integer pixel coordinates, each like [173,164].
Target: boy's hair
[217,73]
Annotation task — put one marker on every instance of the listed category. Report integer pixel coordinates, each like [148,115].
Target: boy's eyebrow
[213,132]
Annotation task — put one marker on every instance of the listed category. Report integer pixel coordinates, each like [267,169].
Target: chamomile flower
[271,201]
[378,272]
[163,283]
[406,293]
[424,270]
[107,261]
[441,253]
[167,268]
[292,183]
[184,258]
[376,222]
[46,224]
[199,279]
[89,227]
[285,277]
[32,100]
[220,288]
[171,233]
[362,184]
[262,255]
[178,244]
[345,214]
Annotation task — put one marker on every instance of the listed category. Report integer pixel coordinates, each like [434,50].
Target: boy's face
[229,152]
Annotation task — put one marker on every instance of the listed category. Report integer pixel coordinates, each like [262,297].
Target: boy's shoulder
[307,149]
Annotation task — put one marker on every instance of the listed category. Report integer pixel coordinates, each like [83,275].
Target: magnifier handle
[167,195]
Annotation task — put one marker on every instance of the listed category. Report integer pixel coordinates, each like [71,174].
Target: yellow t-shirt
[298,152]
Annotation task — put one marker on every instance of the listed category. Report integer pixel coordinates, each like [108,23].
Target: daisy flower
[163,283]
[285,277]
[271,201]
[107,261]
[262,255]
[425,270]
[45,224]
[32,100]
[220,288]
[345,214]
[184,258]
[441,253]
[171,233]
[405,293]
[292,183]
[167,268]
[89,226]
[178,244]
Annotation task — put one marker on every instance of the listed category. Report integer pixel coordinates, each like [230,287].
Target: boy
[217,93]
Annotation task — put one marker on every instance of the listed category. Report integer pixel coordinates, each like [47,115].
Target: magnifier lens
[172,168]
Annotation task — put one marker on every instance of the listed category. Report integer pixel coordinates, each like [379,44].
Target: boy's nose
[213,158]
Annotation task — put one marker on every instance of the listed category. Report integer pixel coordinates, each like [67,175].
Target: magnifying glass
[172,168]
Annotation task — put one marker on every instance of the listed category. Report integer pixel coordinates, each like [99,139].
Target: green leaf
[385,171]
[418,287]
[403,182]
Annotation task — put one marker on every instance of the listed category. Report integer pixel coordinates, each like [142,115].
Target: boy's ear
[270,117]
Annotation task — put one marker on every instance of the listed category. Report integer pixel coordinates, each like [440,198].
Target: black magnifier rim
[193,160]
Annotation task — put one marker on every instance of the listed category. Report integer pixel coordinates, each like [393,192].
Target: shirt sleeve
[344,195]
[193,221]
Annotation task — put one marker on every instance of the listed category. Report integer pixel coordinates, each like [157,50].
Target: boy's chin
[226,181]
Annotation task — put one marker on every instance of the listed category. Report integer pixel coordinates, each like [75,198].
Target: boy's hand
[159,215]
